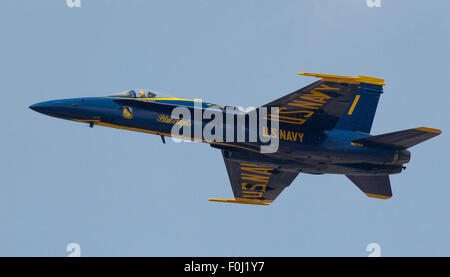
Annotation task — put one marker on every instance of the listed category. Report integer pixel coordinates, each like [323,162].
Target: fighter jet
[323,128]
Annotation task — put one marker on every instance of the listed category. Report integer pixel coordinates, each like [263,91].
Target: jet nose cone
[75,108]
[56,108]
[36,107]
[43,107]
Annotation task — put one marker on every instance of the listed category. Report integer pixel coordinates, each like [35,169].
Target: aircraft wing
[334,101]
[254,182]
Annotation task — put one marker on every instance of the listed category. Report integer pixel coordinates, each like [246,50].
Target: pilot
[141,94]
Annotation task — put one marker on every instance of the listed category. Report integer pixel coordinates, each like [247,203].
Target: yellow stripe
[243,201]
[378,196]
[346,79]
[151,99]
[354,104]
[428,130]
[98,122]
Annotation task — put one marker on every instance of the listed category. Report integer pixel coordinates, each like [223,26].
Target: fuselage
[315,152]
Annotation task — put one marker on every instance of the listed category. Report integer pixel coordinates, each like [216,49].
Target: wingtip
[347,79]
[429,130]
[242,201]
[378,196]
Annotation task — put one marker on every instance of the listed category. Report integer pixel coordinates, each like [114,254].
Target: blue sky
[119,193]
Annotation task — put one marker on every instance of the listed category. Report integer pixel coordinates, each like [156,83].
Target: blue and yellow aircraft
[322,128]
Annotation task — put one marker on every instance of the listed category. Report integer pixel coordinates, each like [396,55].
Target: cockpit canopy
[140,93]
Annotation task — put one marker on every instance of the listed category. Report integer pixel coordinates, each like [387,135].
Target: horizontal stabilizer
[376,186]
[401,139]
